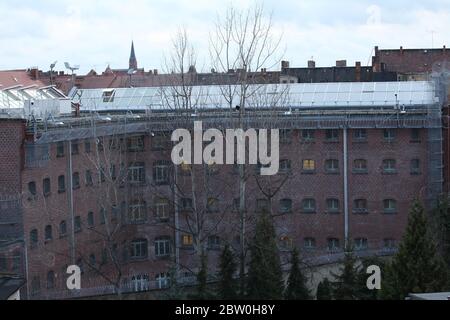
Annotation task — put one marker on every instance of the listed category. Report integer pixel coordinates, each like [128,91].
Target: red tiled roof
[12,78]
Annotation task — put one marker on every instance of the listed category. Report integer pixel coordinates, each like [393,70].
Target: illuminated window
[187,240]
[309,165]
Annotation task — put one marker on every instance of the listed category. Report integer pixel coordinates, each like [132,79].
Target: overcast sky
[96,33]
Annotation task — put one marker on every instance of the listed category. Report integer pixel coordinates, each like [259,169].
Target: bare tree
[242,44]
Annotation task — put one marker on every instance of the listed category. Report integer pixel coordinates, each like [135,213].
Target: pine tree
[296,288]
[227,284]
[416,267]
[202,279]
[324,290]
[346,285]
[264,273]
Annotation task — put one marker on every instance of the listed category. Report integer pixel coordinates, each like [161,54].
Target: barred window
[309,205]
[139,248]
[332,205]
[162,246]
[332,166]
[286,205]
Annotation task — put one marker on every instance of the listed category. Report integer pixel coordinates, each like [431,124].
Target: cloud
[96,33]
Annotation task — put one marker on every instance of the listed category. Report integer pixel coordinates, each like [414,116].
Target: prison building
[98,188]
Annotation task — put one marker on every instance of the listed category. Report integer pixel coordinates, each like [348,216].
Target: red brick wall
[373,186]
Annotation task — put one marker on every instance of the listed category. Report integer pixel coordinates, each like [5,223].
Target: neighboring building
[411,64]
[339,73]
[98,191]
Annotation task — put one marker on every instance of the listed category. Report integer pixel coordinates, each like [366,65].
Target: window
[285,166]
[286,205]
[390,206]
[137,212]
[139,249]
[163,280]
[285,243]
[63,228]
[333,244]
[389,135]
[32,188]
[76,180]
[48,233]
[46,186]
[136,172]
[360,166]
[186,204]
[360,206]
[108,96]
[309,243]
[331,135]
[162,246]
[415,135]
[87,146]
[332,205]
[61,184]
[213,242]
[332,166]
[308,135]
[213,205]
[285,136]
[212,169]
[415,167]
[308,165]
[50,280]
[75,149]
[161,172]
[135,144]
[140,283]
[262,205]
[88,178]
[162,208]
[104,256]
[389,166]
[161,141]
[34,238]
[361,244]
[187,240]
[77,224]
[60,149]
[35,285]
[360,135]
[389,244]
[90,219]
[309,205]
[92,259]
[102,216]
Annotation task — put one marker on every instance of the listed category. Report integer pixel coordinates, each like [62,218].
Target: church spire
[133,61]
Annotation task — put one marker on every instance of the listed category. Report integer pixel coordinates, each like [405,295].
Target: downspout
[345,149]
[70,190]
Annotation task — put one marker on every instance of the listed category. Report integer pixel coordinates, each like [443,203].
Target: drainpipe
[70,190]
[345,149]
[177,226]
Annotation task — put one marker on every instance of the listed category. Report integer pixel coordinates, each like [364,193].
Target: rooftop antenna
[432,37]
[52,66]
[73,69]
[130,73]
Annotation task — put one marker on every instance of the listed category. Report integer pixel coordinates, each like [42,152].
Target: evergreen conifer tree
[227,284]
[264,279]
[296,287]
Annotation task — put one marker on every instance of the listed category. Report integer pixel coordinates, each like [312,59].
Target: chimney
[401,50]
[444,48]
[358,71]
[284,65]
[155,72]
[341,63]
[34,73]
[311,64]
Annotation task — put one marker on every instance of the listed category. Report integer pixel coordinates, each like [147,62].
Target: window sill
[360,141]
[332,172]
[362,212]
[389,172]
[308,212]
[307,141]
[61,191]
[360,172]
[308,172]
[331,141]
[333,212]
[416,173]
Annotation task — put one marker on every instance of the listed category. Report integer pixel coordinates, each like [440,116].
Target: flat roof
[299,95]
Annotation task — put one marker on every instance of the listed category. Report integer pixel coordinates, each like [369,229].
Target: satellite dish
[53,64]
